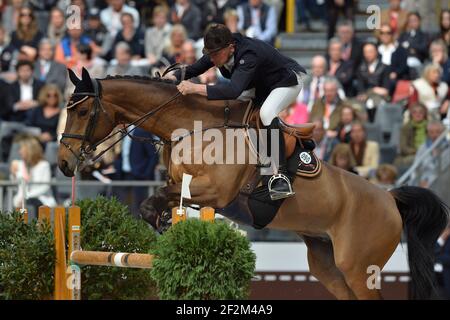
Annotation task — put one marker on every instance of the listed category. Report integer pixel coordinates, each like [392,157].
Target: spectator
[439,55]
[130,35]
[67,51]
[342,157]
[5,100]
[395,17]
[385,176]
[324,143]
[351,46]
[344,127]
[123,66]
[110,16]
[373,80]
[431,91]
[186,13]
[27,33]
[137,161]
[158,36]
[231,20]
[32,168]
[258,20]
[335,7]
[412,135]
[221,9]
[41,10]
[416,42]
[10,16]
[46,69]
[46,115]
[444,25]
[188,53]
[443,257]
[24,91]
[393,56]
[330,106]
[313,84]
[366,153]
[430,164]
[95,28]
[337,67]
[172,52]
[57,26]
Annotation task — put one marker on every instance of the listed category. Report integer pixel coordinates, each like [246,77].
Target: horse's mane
[141,79]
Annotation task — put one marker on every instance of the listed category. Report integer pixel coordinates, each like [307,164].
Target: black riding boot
[279,184]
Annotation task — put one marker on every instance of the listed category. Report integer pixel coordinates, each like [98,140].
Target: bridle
[87,147]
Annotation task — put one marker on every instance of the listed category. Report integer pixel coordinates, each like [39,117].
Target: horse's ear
[73,77]
[85,76]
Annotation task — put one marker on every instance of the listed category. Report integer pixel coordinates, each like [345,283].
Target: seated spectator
[158,36]
[10,16]
[258,20]
[186,13]
[324,143]
[342,157]
[221,9]
[330,106]
[373,80]
[366,153]
[188,53]
[95,28]
[110,16]
[344,127]
[6,52]
[24,91]
[130,35]
[385,176]
[27,33]
[444,26]
[337,67]
[123,66]
[57,26]
[393,56]
[430,91]
[351,46]
[412,135]
[429,167]
[46,115]
[395,17]
[439,56]
[296,114]
[231,20]
[416,42]
[313,84]
[67,51]
[172,52]
[46,69]
[32,168]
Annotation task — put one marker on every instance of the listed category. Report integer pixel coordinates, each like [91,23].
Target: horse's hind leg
[322,266]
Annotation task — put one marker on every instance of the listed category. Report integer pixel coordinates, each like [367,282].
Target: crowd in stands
[349,88]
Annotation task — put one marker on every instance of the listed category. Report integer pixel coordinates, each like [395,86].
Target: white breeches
[278,100]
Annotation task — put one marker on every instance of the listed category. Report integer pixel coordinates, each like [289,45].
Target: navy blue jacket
[256,65]
[443,257]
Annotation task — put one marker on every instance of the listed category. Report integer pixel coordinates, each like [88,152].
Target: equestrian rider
[249,63]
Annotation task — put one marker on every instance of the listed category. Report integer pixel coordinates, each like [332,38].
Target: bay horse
[347,223]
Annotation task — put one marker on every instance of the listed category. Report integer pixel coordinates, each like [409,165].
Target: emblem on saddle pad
[305,158]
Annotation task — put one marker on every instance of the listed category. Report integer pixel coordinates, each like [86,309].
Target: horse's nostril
[64,163]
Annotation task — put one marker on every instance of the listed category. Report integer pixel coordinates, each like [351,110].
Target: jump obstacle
[67,272]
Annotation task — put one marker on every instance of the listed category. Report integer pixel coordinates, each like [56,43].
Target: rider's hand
[186,87]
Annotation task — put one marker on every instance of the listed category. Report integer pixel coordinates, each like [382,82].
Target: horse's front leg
[203,193]
[155,210]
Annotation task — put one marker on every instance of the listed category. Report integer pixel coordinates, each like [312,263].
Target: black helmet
[217,37]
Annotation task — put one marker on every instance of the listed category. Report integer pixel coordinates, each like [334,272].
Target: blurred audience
[258,20]
[395,17]
[342,157]
[366,153]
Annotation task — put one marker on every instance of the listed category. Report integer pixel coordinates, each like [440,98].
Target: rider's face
[220,57]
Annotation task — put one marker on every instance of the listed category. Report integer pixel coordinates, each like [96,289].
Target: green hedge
[203,260]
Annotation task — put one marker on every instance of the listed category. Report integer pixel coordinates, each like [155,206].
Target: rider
[249,63]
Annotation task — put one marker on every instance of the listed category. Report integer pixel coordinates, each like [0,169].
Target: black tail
[424,218]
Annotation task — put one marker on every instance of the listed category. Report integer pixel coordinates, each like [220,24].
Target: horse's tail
[424,217]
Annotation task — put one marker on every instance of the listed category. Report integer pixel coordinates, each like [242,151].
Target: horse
[348,224]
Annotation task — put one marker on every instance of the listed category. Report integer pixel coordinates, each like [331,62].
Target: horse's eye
[82,112]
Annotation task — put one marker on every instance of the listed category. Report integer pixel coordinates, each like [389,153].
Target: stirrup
[277,195]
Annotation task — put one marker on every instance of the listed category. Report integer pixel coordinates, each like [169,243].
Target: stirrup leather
[277,195]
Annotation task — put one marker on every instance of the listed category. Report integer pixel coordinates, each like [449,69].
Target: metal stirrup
[276,195]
